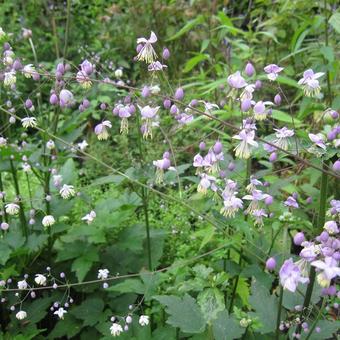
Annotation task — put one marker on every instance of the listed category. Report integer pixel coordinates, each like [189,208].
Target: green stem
[3,199]
[316,320]
[67,28]
[278,319]
[17,192]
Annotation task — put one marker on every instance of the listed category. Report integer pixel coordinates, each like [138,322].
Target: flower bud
[179,94]
[273,157]
[249,69]
[28,103]
[331,135]
[268,200]
[17,65]
[336,166]
[54,99]
[202,146]
[86,103]
[145,92]
[166,154]
[270,263]
[231,166]
[193,103]
[139,47]
[258,84]
[174,109]
[217,147]
[309,200]
[334,114]
[299,238]
[166,54]
[167,103]
[277,99]
[103,106]
[245,105]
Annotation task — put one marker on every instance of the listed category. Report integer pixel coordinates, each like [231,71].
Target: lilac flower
[10,78]
[331,227]
[66,98]
[147,53]
[310,251]
[231,204]
[248,92]
[271,263]
[29,70]
[86,67]
[248,124]
[243,150]
[253,183]
[273,71]
[310,83]
[161,165]
[255,197]
[269,148]
[101,130]
[184,118]
[260,110]
[236,81]
[83,79]
[124,114]
[290,276]
[291,202]
[283,136]
[259,214]
[318,140]
[156,66]
[148,114]
[330,270]
[207,182]
[249,69]
[335,206]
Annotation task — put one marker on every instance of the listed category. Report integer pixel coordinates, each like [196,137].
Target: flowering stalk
[17,191]
[320,221]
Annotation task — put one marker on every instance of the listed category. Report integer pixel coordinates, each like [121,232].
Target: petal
[153,38]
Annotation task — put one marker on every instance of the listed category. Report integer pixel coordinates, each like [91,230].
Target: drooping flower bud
[179,94]
[249,69]
[258,84]
[299,238]
[217,147]
[269,200]
[166,54]
[28,103]
[174,109]
[270,263]
[202,146]
[336,166]
[277,99]
[54,99]
[86,103]
[145,92]
[273,157]
[231,166]
[167,103]
[245,105]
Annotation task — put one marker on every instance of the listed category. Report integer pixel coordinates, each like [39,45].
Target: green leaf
[334,21]
[37,309]
[191,63]
[68,172]
[82,265]
[187,27]
[5,252]
[128,286]
[263,302]
[327,328]
[226,327]
[211,301]
[285,117]
[69,327]
[184,313]
[90,311]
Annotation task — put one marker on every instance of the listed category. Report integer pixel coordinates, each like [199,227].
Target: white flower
[57,179]
[283,136]
[60,312]
[272,71]
[101,130]
[48,221]
[26,167]
[12,208]
[83,145]
[318,140]
[29,122]
[21,315]
[103,274]
[40,279]
[147,53]
[66,98]
[10,78]
[119,73]
[28,71]
[243,150]
[89,218]
[3,141]
[8,57]
[144,320]
[310,83]
[116,329]
[67,191]
[22,284]
[50,144]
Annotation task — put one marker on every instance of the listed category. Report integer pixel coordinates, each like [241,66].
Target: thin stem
[29,190]
[17,191]
[316,320]
[67,28]
[3,199]
[278,319]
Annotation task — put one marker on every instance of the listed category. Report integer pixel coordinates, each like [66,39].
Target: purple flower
[207,182]
[318,140]
[156,66]
[148,115]
[161,165]
[310,83]
[271,263]
[236,81]
[243,149]
[249,69]
[273,71]
[291,202]
[179,94]
[260,111]
[299,238]
[146,52]
[166,54]
[66,98]
[290,276]
[101,130]
[331,227]
[231,204]
[283,136]
[336,166]
[329,270]
[86,67]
